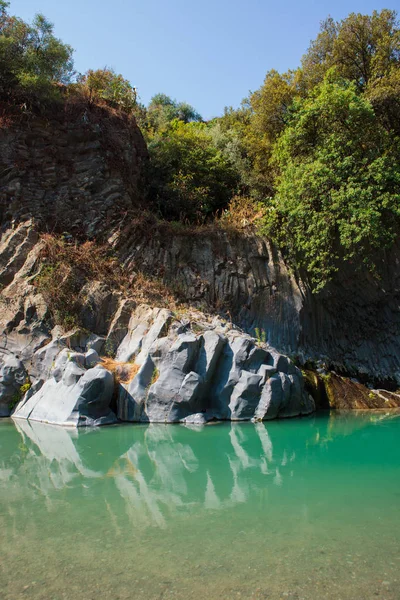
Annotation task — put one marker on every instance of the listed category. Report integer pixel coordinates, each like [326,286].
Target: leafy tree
[338,193]
[229,143]
[189,178]
[32,59]
[319,57]
[246,136]
[186,113]
[270,112]
[361,47]
[271,103]
[162,110]
[384,95]
[106,85]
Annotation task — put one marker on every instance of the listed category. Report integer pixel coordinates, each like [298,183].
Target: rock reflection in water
[218,511]
[158,470]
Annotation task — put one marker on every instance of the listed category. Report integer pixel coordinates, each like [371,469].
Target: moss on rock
[338,392]
[346,393]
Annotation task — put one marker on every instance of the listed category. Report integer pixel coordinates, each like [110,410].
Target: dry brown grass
[122,371]
[242,215]
[151,290]
[67,267]
[89,257]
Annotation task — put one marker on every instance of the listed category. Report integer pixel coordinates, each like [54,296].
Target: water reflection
[228,510]
[156,470]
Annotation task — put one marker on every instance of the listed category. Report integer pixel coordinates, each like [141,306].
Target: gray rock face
[175,394]
[353,325]
[72,395]
[180,373]
[220,373]
[12,377]
[91,358]
[162,320]
[245,396]
[74,184]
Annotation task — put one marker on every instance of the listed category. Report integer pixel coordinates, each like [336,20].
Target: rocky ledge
[166,369]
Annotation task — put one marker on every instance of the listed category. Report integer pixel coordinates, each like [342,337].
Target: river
[302,509]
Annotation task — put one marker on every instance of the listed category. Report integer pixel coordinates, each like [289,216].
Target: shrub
[243,213]
[104,85]
[19,393]
[189,178]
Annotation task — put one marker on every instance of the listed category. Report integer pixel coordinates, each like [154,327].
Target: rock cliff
[76,169]
[78,173]
[353,326]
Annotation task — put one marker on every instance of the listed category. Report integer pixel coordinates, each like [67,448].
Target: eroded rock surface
[183,371]
[353,324]
[332,391]
[12,378]
[78,170]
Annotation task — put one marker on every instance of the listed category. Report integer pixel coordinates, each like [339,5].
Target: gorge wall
[353,325]
[79,173]
[76,169]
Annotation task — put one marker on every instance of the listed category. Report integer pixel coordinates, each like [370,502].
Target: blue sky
[208,53]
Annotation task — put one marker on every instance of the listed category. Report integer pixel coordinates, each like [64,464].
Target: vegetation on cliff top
[311,158]
[32,59]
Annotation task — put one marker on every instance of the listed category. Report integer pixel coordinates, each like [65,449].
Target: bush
[242,213]
[104,85]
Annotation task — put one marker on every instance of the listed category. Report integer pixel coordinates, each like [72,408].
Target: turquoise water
[306,508]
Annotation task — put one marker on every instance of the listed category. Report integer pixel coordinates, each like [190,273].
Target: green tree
[270,112]
[319,57]
[338,192]
[384,95]
[32,59]
[361,47]
[229,143]
[162,110]
[189,178]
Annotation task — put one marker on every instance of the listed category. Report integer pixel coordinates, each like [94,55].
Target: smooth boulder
[72,396]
